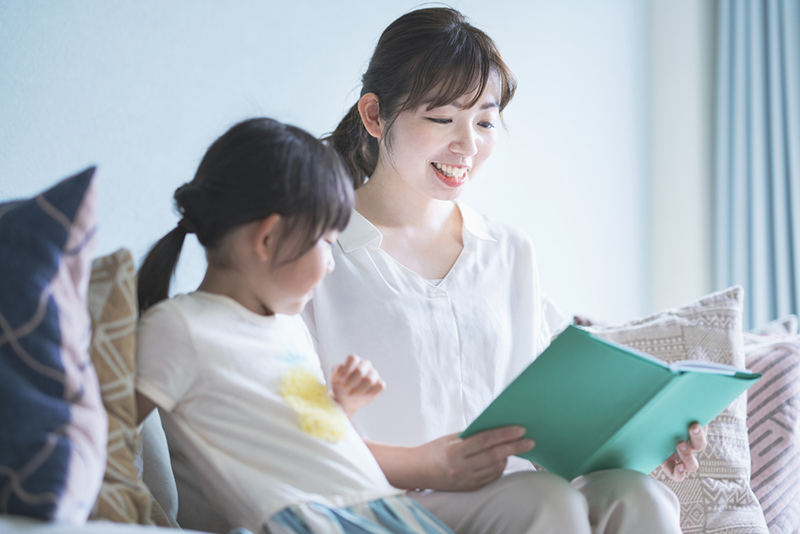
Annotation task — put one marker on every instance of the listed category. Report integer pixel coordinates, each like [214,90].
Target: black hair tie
[187,225]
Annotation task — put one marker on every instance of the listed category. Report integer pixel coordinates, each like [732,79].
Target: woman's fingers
[687,459]
[697,437]
[498,455]
[683,461]
[674,468]
[697,442]
[495,445]
[468,464]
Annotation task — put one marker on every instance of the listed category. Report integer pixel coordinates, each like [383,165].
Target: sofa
[63,309]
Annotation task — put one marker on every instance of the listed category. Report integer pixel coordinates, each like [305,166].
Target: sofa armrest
[157,468]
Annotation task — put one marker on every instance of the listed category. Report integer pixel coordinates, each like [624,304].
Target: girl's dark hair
[257,168]
[427,51]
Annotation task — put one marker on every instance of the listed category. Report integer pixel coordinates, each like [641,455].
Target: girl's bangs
[326,206]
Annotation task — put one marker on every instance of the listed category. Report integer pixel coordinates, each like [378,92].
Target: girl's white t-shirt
[218,372]
[444,350]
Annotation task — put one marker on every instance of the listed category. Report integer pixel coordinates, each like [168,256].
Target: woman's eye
[486,125]
[440,121]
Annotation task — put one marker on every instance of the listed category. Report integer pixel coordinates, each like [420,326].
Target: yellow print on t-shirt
[317,413]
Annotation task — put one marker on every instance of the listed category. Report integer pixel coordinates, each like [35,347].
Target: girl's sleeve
[167,363]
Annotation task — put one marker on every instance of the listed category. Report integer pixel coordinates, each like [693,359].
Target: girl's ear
[369,109]
[265,236]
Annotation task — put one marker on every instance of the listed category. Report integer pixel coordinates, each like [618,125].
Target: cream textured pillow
[124,498]
[717,498]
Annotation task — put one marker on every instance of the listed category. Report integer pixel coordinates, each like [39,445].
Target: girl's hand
[682,460]
[455,464]
[355,384]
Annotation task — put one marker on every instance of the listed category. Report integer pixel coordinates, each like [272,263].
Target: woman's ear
[369,109]
[265,236]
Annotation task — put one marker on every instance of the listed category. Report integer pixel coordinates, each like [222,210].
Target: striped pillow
[53,428]
[773,419]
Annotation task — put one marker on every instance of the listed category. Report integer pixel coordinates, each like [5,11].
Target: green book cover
[591,404]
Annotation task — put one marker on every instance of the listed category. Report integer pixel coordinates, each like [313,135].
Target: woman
[446,303]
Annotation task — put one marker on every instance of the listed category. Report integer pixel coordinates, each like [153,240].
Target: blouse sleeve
[553,320]
[166,359]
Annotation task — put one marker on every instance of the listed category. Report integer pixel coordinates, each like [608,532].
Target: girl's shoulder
[185,312]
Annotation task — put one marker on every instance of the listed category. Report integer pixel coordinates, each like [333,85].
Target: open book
[591,404]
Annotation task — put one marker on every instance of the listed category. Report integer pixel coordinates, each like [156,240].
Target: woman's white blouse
[446,350]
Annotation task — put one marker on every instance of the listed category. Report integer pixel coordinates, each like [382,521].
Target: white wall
[142,87]
[682,107]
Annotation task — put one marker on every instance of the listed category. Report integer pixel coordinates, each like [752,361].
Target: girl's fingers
[375,388]
[363,377]
[347,367]
[357,376]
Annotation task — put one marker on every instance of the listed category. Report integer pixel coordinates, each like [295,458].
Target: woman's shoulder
[489,228]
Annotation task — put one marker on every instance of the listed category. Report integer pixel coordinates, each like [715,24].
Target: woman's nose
[465,142]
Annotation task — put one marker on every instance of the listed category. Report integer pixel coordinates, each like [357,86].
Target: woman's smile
[451,175]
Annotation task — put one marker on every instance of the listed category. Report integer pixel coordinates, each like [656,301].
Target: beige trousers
[616,501]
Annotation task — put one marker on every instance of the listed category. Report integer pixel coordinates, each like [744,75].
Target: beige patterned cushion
[717,498]
[124,498]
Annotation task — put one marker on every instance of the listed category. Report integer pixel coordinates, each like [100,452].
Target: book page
[699,366]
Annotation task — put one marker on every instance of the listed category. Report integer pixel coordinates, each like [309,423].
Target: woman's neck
[419,232]
[387,202]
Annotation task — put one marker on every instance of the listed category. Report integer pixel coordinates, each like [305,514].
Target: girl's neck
[226,282]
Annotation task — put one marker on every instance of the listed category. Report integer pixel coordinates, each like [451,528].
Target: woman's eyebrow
[487,105]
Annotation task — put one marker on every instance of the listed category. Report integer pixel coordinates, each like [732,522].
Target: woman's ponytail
[356,146]
[158,268]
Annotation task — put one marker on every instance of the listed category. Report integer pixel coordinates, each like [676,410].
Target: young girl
[448,303]
[232,366]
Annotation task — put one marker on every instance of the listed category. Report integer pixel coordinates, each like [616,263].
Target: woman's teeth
[450,171]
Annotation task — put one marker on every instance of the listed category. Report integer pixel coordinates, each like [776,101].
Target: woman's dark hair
[257,168]
[427,51]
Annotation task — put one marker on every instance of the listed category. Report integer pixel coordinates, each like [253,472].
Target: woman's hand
[455,464]
[683,460]
[355,384]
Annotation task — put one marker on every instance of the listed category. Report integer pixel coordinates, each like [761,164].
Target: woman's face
[438,151]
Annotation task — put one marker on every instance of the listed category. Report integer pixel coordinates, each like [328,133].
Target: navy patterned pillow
[53,427]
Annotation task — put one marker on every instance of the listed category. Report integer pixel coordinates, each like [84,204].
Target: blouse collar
[360,232]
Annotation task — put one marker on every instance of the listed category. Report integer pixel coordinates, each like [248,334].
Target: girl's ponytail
[158,268]
[356,146]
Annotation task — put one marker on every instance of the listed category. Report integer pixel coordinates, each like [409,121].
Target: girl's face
[292,284]
[438,151]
